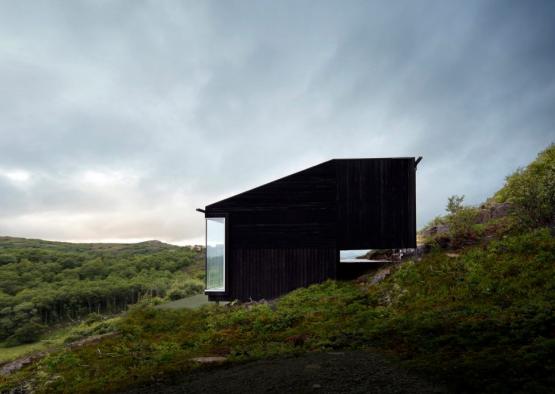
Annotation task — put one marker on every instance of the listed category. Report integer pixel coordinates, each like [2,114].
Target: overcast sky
[119,118]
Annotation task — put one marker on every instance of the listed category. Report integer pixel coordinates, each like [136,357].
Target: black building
[289,233]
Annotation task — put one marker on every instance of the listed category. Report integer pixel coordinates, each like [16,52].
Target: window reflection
[215,254]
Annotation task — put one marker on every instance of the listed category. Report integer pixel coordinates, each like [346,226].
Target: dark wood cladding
[296,211]
[287,233]
[269,273]
[376,203]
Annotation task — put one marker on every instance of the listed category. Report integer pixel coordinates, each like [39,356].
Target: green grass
[54,339]
[189,302]
[482,321]
[11,353]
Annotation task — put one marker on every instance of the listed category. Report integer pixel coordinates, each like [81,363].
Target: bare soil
[334,372]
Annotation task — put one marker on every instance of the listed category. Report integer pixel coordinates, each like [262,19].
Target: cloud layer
[118,119]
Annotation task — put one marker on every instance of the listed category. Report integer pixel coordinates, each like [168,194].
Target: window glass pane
[215,254]
[353,255]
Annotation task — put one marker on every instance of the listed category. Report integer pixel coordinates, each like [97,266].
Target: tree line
[43,283]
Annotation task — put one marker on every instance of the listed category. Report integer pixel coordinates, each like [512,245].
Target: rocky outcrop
[439,229]
[500,210]
[484,214]
[493,211]
[91,340]
[380,275]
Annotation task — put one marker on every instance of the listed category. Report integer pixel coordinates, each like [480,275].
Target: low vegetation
[57,337]
[483,320]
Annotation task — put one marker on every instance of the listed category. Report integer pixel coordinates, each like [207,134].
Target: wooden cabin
[289,233]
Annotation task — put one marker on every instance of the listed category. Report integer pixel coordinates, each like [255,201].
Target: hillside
[474,311]
[10,243]
[45,283]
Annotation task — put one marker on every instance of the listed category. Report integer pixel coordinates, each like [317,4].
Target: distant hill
[152,246]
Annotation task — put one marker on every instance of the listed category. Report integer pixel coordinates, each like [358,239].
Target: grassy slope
[56,338]
[483,320]
[188,302]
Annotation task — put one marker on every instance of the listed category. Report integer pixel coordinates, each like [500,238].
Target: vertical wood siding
[286,234]
[376,203]
[269,273]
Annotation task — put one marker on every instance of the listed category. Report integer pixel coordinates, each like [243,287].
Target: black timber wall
[269,273]
[296,211]
[287,233]
[282,235]
[376,207]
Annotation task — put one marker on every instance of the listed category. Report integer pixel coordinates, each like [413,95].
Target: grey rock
[483,216]
[500,210]
[380,275]
[435,230]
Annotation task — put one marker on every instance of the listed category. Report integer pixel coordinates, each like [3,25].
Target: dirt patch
[10,367]
[333,372]
[17,364]
[91,340]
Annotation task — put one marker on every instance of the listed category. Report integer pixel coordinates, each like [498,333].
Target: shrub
[27,333]
[531,191]
[454,204]
[184,289]
[95,328]
[93,318]
[463,228]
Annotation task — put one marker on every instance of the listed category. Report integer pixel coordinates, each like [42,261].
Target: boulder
[380,275]
[500,210]
[440,229]
[491,211]
[483,216]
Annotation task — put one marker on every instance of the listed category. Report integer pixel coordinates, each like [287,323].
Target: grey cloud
[200,100]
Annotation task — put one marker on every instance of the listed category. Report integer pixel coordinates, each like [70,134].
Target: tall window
[215,254]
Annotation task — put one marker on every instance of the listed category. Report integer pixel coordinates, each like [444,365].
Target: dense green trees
[42,283]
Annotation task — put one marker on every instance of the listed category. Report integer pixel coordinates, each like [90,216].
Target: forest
[44,283]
